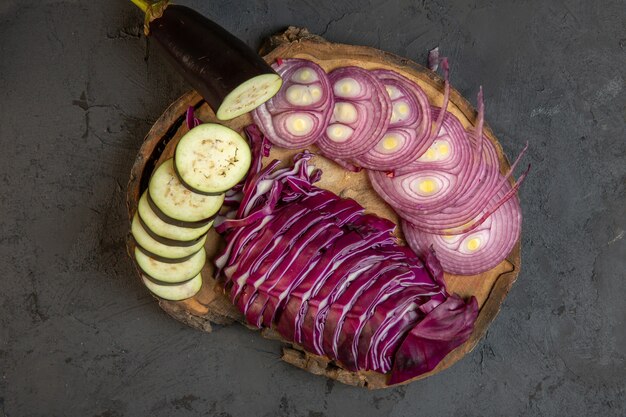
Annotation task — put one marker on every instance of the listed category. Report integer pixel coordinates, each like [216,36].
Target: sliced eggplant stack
[177,201]
[174,292]
[169,272]
[231,77]
[167,227]
[210,159]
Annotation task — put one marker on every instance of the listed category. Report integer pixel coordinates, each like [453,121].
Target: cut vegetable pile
[297,258]
[444,181]
[334,280]
[176,212]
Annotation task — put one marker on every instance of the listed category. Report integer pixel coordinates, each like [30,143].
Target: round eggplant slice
[177,201]
[171,272]
[174,292]
[211,158]
[164,229]
[147,242]
[249,95]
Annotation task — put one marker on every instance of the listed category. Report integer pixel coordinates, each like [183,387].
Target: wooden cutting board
[210,305]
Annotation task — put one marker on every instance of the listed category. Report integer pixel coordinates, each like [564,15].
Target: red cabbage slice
[192,121]
[338,310]
[446,327]
[308,247]
[386,315]
[285,252]
[255,255]
[396,281]
[327,292]
[274,291]
[289,319]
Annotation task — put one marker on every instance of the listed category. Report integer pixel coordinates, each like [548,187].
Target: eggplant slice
[177,201]
[152,245]
[168,272]
[210,159]
[165,229]
[174,292]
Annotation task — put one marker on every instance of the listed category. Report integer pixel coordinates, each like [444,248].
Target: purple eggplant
[232,78]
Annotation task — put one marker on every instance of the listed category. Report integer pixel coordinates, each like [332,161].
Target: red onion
[476,251]
[361,113]
[298,114]
[445,190]
[433,59]
[433,181]
[409,132]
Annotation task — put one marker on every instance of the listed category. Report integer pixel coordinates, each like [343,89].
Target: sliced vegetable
[211,158]
[169,229]
[177,201]
[174,292]
[361,114]
[192,121]
[446,327]
[447,189]
[478,250]
[320,272]
[409,132]
[436,179]
[146,241]
[433,59]
[296,116]
[171,272]
[231,77]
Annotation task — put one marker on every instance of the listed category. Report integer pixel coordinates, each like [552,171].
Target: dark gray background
[80,336]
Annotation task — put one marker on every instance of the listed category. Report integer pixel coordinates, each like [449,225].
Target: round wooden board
[210,305]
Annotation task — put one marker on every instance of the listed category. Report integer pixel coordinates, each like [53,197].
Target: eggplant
[232,78]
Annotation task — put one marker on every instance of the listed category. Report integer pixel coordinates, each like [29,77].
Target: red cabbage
[326,275]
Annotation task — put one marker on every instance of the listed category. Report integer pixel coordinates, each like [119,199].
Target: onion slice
[298,114]
[361,113]
[409,133]
[478,250]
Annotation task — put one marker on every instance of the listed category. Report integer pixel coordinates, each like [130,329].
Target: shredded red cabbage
[327,276]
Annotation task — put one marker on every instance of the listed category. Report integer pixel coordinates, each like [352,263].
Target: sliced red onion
[191,120]
[428,186]
[476,251]
[361,113]
[409,132]
[446,97]
[433,59]
[445,191]
[297,115]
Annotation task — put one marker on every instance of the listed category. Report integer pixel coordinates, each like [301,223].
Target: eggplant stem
[142,4]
